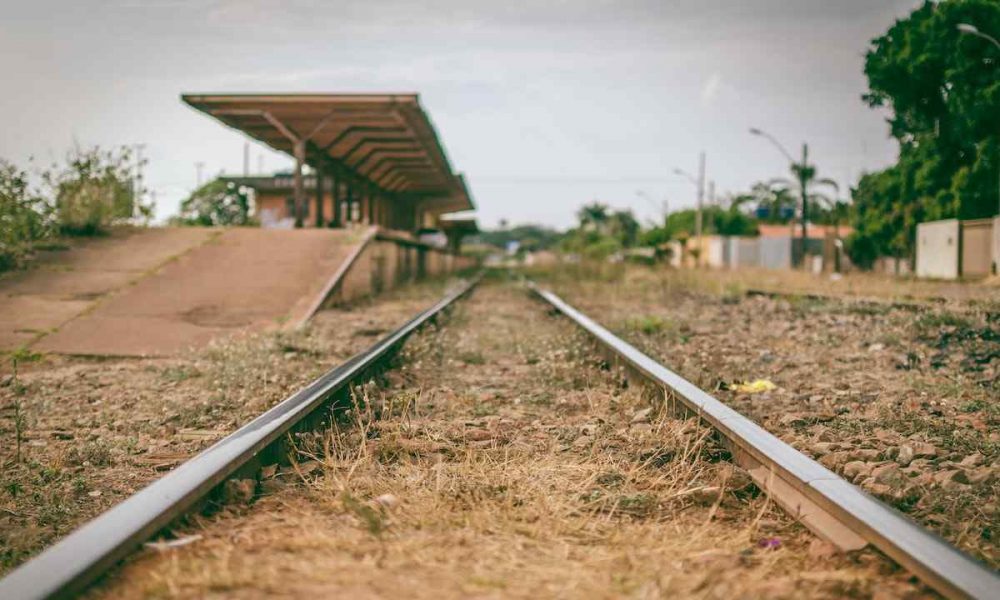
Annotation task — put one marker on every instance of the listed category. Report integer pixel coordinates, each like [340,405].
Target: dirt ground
[904,402]
[859,285]
[501,460]
[78,435]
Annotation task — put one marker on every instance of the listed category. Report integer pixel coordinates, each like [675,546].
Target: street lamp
[664,208]
[798,169]
[973,30]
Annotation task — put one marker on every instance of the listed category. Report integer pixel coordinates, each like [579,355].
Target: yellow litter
[757,386]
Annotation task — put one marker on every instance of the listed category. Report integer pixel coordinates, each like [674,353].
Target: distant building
[274,199]
[950,249]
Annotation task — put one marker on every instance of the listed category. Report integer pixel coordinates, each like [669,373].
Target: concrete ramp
[62,284]
[235,279]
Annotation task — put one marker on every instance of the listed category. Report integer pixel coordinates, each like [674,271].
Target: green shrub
[96,189]
[24,217]
[217,203]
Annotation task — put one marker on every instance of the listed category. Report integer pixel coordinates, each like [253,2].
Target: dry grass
[984,294]
[860,385]
[96,430]
[501,460]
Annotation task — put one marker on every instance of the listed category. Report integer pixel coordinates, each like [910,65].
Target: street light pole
[663,208]
[798,169]
[699,183]
[803,182]
[973,30]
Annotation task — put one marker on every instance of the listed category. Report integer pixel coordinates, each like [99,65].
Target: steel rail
[829,505]
[67,567]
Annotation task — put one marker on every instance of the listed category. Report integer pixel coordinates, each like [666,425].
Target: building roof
[813,230]
[459,222]
[386,139]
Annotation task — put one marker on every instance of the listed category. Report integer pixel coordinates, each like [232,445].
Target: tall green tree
[942,91]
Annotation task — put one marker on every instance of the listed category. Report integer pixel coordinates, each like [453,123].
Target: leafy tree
[623,227]
[680,225]
[942,89]
[601,231]
[593,216]
[530,237]
[218,203]
[25,217]
[96,189]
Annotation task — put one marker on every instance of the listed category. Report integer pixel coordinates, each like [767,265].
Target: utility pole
[246,159]
[198,166]
[803,183]
[701,200]
[711,203]
[699,183]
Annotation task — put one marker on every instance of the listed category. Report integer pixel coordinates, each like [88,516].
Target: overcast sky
[544,106]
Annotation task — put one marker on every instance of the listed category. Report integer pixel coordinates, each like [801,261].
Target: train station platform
[166,291]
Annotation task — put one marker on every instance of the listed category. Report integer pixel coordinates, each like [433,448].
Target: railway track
[832,508]
[70,565]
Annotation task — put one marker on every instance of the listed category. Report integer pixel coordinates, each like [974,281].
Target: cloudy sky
[543,105]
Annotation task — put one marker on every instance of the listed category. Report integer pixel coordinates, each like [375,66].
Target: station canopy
[386,139]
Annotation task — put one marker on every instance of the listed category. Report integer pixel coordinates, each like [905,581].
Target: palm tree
[809,185]
[771,197]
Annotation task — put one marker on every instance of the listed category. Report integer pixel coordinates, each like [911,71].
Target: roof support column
[299,192]
[319,195]
[350,202]
[337,209]
[366,205]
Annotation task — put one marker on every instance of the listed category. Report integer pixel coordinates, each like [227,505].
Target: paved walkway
[160,292]
[60,285]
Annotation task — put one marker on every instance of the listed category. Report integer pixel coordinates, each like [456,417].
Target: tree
[680,224]
[530,237]
[774,201]
[942,89]
[218,203]
[809,183]
[601,232]
[594,215]
[623,226]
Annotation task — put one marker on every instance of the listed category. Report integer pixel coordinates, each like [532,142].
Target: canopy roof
[462,222]
[386,139]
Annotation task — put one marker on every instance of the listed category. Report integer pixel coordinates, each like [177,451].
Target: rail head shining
[67,567]
[826,503]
